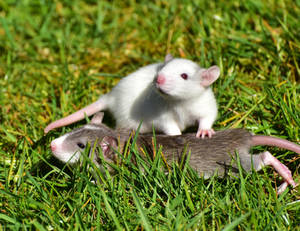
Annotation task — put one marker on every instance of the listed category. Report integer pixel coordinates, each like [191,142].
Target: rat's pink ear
[210,75]
[108,144]
[168,57]
[97,118]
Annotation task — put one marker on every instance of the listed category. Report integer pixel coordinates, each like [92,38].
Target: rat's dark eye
[81,145]
[184,76]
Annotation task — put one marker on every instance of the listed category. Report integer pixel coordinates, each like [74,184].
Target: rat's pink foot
[282,170]
[203,132]
[282,187]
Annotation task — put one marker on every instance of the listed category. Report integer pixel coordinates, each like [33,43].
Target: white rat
[169,96]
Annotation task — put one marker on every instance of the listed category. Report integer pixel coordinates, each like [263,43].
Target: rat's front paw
[205,132]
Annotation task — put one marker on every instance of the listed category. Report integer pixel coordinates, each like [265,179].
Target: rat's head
[183,79]
[69,147]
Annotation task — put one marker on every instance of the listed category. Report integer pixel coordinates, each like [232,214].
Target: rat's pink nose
[53,146]
[160,79]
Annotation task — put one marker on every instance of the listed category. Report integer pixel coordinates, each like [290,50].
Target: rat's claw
[203,132]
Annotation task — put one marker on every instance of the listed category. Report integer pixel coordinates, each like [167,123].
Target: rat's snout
[53,146]
[57,144]
[63,150]
[161,79]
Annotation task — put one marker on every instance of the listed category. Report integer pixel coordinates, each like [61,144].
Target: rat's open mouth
[161,91]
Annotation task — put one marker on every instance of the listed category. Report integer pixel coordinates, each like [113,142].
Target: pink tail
[276,142]
[79,115]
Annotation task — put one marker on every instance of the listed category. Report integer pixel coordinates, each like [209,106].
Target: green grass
[58,56]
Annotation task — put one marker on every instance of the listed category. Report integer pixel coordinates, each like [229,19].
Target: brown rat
[207,156]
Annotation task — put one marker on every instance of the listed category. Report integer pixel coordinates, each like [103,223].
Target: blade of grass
[236,222]
[110,211]
[141,211]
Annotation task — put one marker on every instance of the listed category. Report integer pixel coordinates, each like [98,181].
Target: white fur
[62,153]
[136,98]
[92,127]
[181,103]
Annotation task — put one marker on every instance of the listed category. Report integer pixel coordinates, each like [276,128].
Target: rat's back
[208,155]
[134,87]
[220,152]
